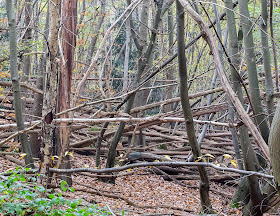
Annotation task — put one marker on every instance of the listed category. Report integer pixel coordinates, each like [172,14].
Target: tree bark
[169,73]
[69,29]
[274,145]
[26,40]
[273,46]
[204,181]
[126,56]
[38,98]
[16,85]
[254,89]
[249,155]
[266,62]
[49,102]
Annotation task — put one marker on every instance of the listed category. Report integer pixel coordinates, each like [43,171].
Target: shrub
[21,195]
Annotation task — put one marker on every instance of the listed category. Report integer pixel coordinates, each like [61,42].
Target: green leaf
[41,208]
[72,189]
[63,185]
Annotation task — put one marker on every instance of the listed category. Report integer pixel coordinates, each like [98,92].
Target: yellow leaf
[86,165]
[54,157]
[227,155]
[54,167]
[22,156]
[209,155]
[71,154]
[95,167]
[272,69]
[233,162]
[167,157]
[121,160]
[11,114]
[128,169]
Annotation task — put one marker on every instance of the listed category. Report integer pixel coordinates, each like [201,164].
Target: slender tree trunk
[266,62]
[249,155]
[95,35]
[49,102]
[38,98]
[214,78]
[69,23]
[15,83]
[254,90]
[126,56]
[26,40]
[273,46]
[142,62]
[204,181]
[169,73]
[142,96]
[274,145]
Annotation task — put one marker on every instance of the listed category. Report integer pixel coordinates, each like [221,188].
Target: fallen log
[22,84]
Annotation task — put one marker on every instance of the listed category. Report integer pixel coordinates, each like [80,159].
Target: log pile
[159,135]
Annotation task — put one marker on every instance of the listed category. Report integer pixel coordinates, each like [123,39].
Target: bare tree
[254,89]
[142,63]
[204,181]
[69,29]
[15,83]
[49,102]
[266,62]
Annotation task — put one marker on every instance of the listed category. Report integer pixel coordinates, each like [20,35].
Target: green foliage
[94,128]
[164,147]
[20,195]
[235,205]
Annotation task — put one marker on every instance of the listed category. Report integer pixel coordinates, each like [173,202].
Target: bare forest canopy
[187,90]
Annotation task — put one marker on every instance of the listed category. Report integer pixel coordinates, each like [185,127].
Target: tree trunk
[69,23]
[273,46]
[266,62]
[126,56]
[26,59]
[142,62]
[49,102]
[15,83]
[204,181]
[254,90]
[38,98]
[169,72]
[274,145]
[246,146]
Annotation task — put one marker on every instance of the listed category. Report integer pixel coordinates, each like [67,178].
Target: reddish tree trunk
[69,27]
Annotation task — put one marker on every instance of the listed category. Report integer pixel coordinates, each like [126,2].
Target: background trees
[117,63]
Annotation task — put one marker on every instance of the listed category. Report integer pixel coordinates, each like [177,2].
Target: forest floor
[140,192]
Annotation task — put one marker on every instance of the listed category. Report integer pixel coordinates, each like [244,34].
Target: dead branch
[145,119]
[173,100]
[19,132]
[22,84]
[147,164]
